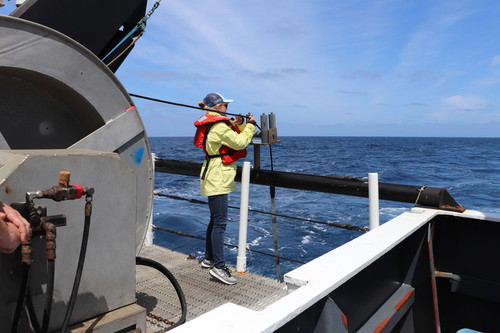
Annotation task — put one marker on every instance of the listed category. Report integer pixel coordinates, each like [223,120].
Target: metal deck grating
[203,293]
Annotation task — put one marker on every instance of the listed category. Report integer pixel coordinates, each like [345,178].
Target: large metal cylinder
[56,94]
[62,109]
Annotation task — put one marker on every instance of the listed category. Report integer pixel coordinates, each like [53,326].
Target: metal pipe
[50,248]
[272,120]
[241,260]
[264,128]
[373,200]
[419,195]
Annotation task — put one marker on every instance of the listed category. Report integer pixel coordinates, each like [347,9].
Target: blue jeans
[214,246]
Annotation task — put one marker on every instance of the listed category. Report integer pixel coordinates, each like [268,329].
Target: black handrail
[419,195]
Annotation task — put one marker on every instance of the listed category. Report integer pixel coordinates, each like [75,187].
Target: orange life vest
[203,125]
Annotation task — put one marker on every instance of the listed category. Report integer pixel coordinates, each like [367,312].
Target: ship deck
[202,292]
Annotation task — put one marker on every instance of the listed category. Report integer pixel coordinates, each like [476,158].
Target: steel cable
[180,233]
[191,107]
[140,26]
[331,224]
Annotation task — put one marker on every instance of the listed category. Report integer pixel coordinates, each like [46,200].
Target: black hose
[78,276]
[49,295]
[32,313]
[172,279]
[22,297]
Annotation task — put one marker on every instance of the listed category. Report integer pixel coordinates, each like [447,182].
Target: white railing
[241,260]
[373,200]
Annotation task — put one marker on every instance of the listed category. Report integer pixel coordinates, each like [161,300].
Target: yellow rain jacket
[219,178]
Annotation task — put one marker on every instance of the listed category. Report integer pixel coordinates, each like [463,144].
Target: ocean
[469,168]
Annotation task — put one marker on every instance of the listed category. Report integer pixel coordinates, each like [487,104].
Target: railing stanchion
[373,200]
[241,260]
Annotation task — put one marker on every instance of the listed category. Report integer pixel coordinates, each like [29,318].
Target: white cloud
[465,102]
[495,61]
[432,35]
[487,81]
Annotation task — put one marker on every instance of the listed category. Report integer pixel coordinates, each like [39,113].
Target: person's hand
[251,120]
[9,237]
[14,229]
[238,120]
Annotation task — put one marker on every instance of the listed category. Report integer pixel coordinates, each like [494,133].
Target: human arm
[14,229]
[220,133]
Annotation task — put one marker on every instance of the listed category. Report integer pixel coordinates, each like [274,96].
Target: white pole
[241,260]
[373,200]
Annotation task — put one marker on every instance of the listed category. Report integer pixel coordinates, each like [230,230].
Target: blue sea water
[469,168]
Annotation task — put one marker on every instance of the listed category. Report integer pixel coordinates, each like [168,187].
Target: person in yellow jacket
[223,143]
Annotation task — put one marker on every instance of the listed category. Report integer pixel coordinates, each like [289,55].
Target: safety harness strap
[207,156]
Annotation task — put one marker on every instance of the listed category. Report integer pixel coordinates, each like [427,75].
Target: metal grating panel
[203,293]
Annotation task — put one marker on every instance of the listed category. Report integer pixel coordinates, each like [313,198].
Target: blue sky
[324,67]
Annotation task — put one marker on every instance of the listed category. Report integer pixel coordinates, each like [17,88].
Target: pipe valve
[63,191]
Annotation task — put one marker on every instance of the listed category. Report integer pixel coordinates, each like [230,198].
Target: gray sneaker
[206,263]
[223,275]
